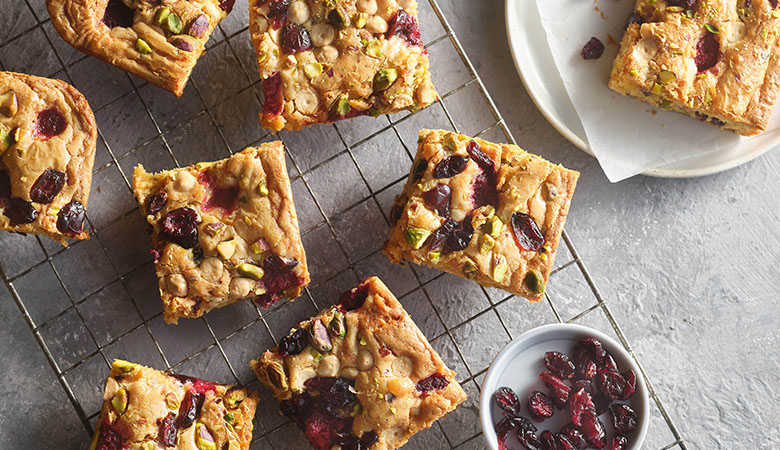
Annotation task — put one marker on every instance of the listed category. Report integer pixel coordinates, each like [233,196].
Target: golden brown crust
[260,221]
[137,400]
[385,353]
[343,63]
[25,159]
[525,183]
[80,23]
[657,62]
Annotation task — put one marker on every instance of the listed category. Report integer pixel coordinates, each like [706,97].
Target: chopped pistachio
[312,69]
[360,19]
[338,324]
[250,271]
[356,410]
[340,107]
[469,269]
[276,375]
[534,281]
[262,189]
[689,13]
[5,140]
[486,243]
[227,249]
[203,438]
[674,8]
[416,237]
[707,96]
[16,134]
[319,337]
[656,88]
[142,47]
[234,396]
[362,341]
[711,29]
[384,79]
[229,418]
[9,104]
[500,268]
[162,14]
[667,76]
[373,49]
[172,23]
[124,367]
[449,142]
[496,226]
[434,256]
[119,401]
[260,246]
[339,16]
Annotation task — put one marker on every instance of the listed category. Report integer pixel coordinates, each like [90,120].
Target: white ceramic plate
[518,367]
[540,75]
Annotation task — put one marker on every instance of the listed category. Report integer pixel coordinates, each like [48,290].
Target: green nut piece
[260,246]
[340,106]
[319,337]
[496,226]
[534,281]
[373,50]
[359,20]
[262,189]
[338,325]
[203,438]
[486,243]
[449,142]
[227,249]
[173,23]
[469,269]
[666,76]
[434,256]
[161,15]
[339,16]
[124,367]
[500,268]
[384,79]
[119,401]
[143,47]
[9,104]
[416,237]
[5,140]
[251,271]
[656,89]
[312,69]
[235,395]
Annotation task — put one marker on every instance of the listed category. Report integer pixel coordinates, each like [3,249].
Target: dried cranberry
[293,343]
[406,27]
[439,237]
[634,17]
[460,237]
[438,198]
[278,273]
[168,430]
[278,7]
[354,298]
[70,219]
[507,400]
[189,409]
[155,203]
[559,364]
[602,403]
[434,382]
[227,5]
[484,191]
[586,370]
[318,428]
[707,52]
[295,38]
[195,384]
[624,418]
[630,388]
[109,438]
[540,406]
[5,187]
[609,363]
[561,442]
[526,434]
[272,95]
[265,301]
[450,166]
[118,14]
[337,392]
[559,391]
[49,123]
[595,347]
[585,384]
[593,431]
[610,383]
[181,227]
[574,435]
[619,442]
[548,442]
[483,160]
[47,186]
[21,211]
[223,198]
[593,49]
[580,404]
[773,3]
[505,425]
[526,232]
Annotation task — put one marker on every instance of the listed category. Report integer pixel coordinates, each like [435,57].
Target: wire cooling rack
[97,300]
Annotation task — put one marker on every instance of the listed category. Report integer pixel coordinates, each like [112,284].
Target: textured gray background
[688,267]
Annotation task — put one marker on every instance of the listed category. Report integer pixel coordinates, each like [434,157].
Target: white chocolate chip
[406,4]
[306,101]
[376,25]
[261,25]
[177,284]
[276,35]
[298,12]
[402,366]
[367,6]
[240,287]
[211,269]
[329,366]
[349,372]
[184,181]
[327,54]
[365,360]
[322,34]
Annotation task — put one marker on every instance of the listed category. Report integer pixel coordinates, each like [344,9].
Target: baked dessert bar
[224,231]
[715,60]
[321,61]
[360,374]
[146,409]
[47,148]
[487,212]
[157,40]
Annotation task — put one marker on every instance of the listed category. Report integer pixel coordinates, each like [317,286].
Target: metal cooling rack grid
[115,311]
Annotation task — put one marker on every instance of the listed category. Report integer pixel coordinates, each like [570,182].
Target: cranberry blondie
[715,60]
[321,61]
[47,148]
[144,409]
[360,374]
[224,231]
[157,40]
[487,212]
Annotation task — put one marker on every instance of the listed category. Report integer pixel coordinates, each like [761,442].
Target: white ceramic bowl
[519,364]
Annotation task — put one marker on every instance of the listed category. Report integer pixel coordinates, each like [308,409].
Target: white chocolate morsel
[349,372]
[322,34]
[184,181]
[402,366]
[365,360]
[327,54]
[329,366]
[177,284]
[376,25]
[367,6]
[240,287]
[211,269]
[306,101]
[298,12]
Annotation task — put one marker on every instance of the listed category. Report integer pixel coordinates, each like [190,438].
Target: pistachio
[449,142]
[142,47]
[119,401]
[373,49]
[5,140]
[711,29]
[227,249]
[359,20]
[172,23]
[9,104]
[496,227]
[384,79]
[16,135]
[262,189]
[124,367]
[184,42]
[500,268]
[214,228]
[161,15]
[203,438]
[312,69]
[674,8]
[171,402]
[534,281]
[656,89]
[434,256]
[486,243]
[666,76]
[340,107]
[199,26]
[416,237]
[339,16]
[276,375]
[319,337]
[260,246]
[469,269]
[338,324]
[251,271]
